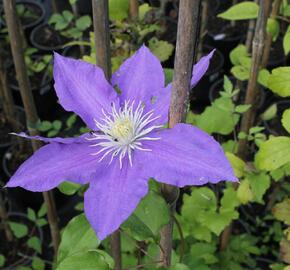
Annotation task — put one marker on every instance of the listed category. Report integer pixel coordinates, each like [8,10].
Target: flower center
[122,128]
[122,131]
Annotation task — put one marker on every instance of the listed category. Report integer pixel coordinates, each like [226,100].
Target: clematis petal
[161,105]
[82,88]
[80,139]
[113,196]
[162,97]
[185,155]
[140,77]
[55,163]
[200,68]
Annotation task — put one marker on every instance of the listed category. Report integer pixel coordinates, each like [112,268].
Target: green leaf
[237,164]
[83,22]
[162,49]
[31,214]
[237,53]
[38,264]
[52,133]
[88,260]
[230,146]
[286,120]
[204,251]
[219,117]
[263,77]
[240,72]
[168,72]
[78,236]
[68,188]
[134,227]
[153,211]
[118,9]
[273,28]
[270,113]
[244,192]
[242,108]
[286,41]
[71,120]
[273,153]
[228,85]
[259,185]
[179,266]
[44,126]
[281,211]
[18,229]
[242,11]
[56,124]
[279,81]
[229,200]
[200,201]
[67,15]
[72,2]
[42,211]
[151,214]
[34,243]
[2,260]
[143,9]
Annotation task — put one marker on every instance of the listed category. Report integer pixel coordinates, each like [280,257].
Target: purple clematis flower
[127,144]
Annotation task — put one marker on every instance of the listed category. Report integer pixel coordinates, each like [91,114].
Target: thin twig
[182,241]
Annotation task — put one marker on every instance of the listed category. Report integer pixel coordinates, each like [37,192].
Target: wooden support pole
[102,35]
[103,59]
[269,38]
[134,9]
[186,45]
[252,93]
[4,220]
[29,106]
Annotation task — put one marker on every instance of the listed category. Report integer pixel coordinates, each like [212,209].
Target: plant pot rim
[265,123]
[37,21]
[39,46]
[9,144]
[45,81]
[238,37]
[25,261]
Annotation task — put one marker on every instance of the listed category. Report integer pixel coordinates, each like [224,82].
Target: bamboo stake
[251,94]
[187,35]
[269,38]
[203,27]
[4,218]
[102,35]
[103,59]
[5,93]
[29,106]
[250,33]
[134,9]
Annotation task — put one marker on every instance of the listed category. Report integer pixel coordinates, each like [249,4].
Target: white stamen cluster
[122,131]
